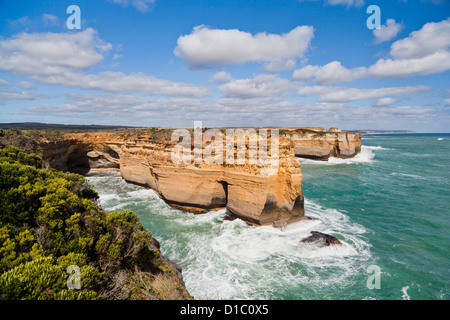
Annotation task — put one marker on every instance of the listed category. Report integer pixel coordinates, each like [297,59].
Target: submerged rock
[323,238]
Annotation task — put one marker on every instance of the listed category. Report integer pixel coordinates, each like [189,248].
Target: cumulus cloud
[46,54]
[171,111]
[423,52]
[342,94]
[332,72]
[63,59]
[132,83]
[354,94]
[387,32]
[395,68]
[263,85]
[205,47]
[431,38]
[220,77]
[280,65]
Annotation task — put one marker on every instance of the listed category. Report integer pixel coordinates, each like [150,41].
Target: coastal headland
[259,192]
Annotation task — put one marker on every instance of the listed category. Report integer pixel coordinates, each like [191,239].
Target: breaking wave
[233,260]
[365,156]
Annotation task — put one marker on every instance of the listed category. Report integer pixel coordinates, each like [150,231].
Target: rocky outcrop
[258,193]
[81,153]
[319,144]
[261,193]
[322,238]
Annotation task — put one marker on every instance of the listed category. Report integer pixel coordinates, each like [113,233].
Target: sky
[285,63]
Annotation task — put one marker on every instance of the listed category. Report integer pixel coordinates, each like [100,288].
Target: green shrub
[49,221]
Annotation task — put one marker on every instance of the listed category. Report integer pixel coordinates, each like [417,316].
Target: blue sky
[227,63]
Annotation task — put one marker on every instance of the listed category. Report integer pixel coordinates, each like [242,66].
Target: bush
[48,221]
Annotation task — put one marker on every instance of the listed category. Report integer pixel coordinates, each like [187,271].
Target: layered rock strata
[320,144]
[259,192]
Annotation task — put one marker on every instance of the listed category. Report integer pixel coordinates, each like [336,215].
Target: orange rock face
[260,192]
[321,145]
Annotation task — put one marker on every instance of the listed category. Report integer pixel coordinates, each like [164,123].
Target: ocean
[389,206]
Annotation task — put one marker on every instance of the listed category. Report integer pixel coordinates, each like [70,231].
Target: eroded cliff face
[320,144]
[83,152]
[259,193]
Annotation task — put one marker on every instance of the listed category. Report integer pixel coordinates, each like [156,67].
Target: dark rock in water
[230,217]
[324,238]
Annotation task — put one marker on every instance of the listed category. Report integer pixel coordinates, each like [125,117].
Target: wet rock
[323,238]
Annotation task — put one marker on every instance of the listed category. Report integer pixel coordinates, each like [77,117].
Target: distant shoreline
[56,126]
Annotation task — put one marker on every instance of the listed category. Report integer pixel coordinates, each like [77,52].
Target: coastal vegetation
[50,220]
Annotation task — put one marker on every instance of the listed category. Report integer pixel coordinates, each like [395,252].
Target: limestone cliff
[258,193]
[319,144]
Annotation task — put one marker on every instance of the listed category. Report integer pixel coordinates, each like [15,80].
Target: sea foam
[365,156]
[224,259]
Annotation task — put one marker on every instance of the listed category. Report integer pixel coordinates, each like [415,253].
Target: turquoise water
[389,206]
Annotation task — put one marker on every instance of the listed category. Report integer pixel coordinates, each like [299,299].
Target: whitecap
[407,175]
[405,295]
[107,197]
[377,148]
[246,262]
[365,156]
[233,260]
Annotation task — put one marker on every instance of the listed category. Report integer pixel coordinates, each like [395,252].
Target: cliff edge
[260,192]
[320,144]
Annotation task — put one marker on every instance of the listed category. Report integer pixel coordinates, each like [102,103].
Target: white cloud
[140,5]
[280,65]
[332,72]
[431,38]
[26,85]
[11,94]
[50,20]
[205,47]
[384,102]
[62,59]
[133,83]
[46,54]
[388,31]
[263,85]
[268,111]
[21,22]
[317,90]
[395,68]
[341,94]
[220,77]
[423,52]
